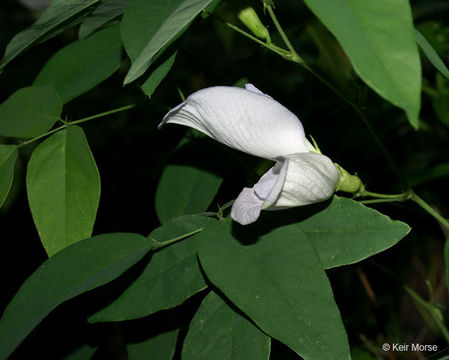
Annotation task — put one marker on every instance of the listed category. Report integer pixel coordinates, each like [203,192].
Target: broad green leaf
[431,54]
[79,268]
[346,232]
[160,71]
[30,111]
[168,20]
[8,157]
[63,188]
[82,65]
[107,11]
[219,332]
[378,37]
[277,280]
[170,278]
[57,16]
[159,347]
[184,190]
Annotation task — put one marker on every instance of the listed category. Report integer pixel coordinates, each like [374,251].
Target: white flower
[251,121]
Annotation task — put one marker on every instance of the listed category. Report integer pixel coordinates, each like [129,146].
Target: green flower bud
[250,18]
[348,183]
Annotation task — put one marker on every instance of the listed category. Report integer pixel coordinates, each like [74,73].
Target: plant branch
[160,244]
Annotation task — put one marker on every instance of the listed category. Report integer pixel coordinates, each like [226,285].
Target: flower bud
[348,183]
[250,18]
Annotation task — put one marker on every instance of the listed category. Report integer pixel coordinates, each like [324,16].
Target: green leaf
[105,12]
[83,353]
[170,278]
[164,21]
[346,232]
[63,187]
[58,16]
[160,71]
[185,190]
[30,112]
[276,278]
[8,157]
[73,271]
[82,65]
[159,347]
[446,261]
[378,37]
[219,332]
[431,54]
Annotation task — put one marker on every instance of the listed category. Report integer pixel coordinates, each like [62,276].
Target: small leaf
[63,187]
[219,332]
[431,54]
[160,71]
[30,112]
[170,19]
[105,12]
[81,65]
[8,157]
[185,190]
[73,271]
[58,16]
[378,37]
[277,280]
[159,347]
[170,278]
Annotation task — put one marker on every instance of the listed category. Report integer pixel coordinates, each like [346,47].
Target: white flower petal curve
[296,180]
[244,119]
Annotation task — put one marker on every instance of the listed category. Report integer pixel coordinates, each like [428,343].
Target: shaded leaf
[85,352]
[79,268]
[170,278]
[158,74]
[185,190]
[8,157]
[63,188]
[30,112]
[159,347]
[378,37]
[106,11]
[278,282]
[431,54]
[57,16]
[168,20]
[219,332]
[82,65]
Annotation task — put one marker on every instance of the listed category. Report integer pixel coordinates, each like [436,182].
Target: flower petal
[244,119]
[310,178]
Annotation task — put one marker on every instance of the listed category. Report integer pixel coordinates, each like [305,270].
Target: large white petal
[244,119]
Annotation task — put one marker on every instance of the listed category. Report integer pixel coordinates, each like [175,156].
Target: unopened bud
[250,18]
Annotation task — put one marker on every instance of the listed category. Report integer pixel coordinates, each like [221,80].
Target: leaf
[53,20]
[63,188]
[30,111]
[431,54]
[159,347]
[8,157]
[82,353]
[170,278]
[378,38]
[82,65]
[346,232]
[277,280]
[185,190]
[168,20]
[158,74]
[105,12]
[219,332]
[79,268]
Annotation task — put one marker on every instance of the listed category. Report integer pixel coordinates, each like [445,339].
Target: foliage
[333,280]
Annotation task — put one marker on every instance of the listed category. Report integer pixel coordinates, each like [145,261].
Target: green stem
[430,210]
[283,35]
[158,244]
[404,195]
[376,201]
[113,111]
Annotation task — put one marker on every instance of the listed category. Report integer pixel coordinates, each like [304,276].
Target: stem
[404,195]
[283,35]
[123,108]
[430,210]
[158,244]
[375,201]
